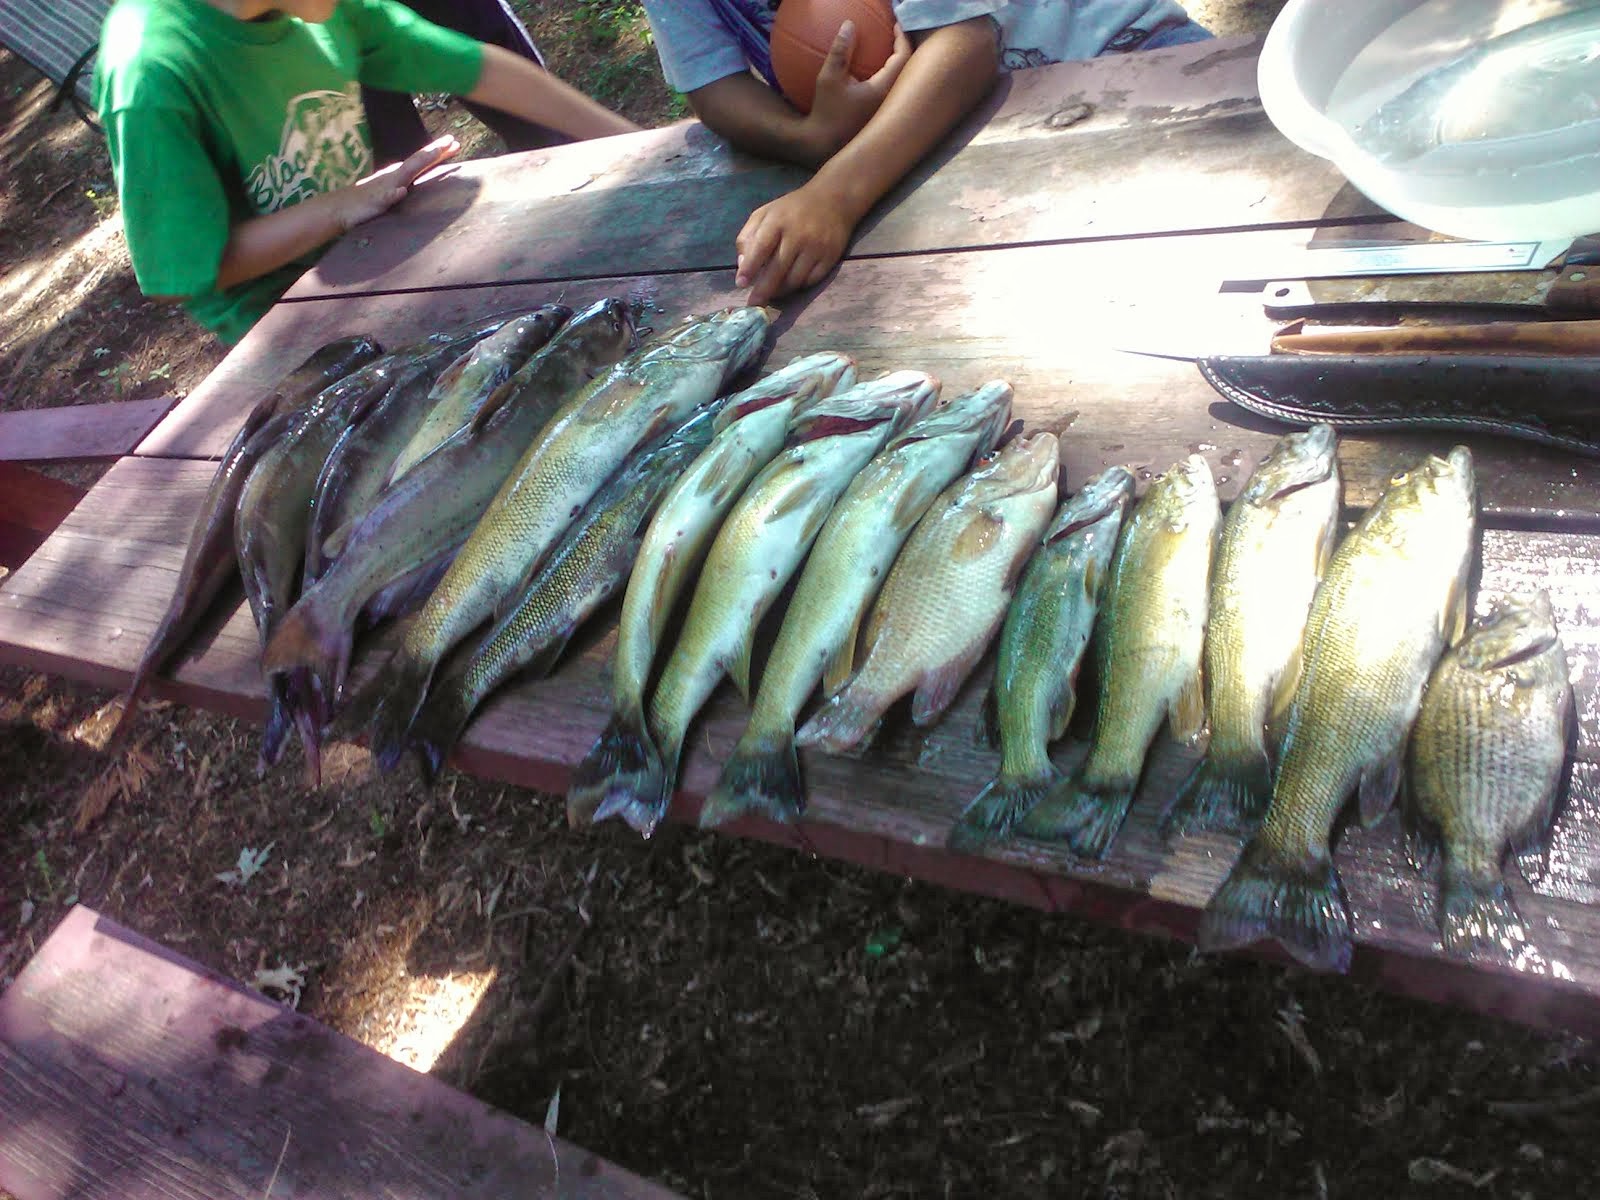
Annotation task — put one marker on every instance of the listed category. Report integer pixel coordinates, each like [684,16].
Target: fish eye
[1399,478]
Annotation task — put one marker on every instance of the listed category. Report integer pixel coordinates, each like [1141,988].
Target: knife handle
[1576,290]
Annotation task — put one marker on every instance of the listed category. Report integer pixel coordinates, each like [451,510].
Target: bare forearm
[756,119]
[952,69]
[264,244]
[514,85]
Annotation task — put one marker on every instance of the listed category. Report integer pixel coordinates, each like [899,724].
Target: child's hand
[844,104]
[382,190]
[791,243]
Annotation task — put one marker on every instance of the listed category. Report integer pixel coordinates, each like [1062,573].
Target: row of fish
[1309,660]
[501,482]
[434,479]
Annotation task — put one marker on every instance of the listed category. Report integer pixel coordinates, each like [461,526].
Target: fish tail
[1477,914]
[436,730]
[309,637]
[1301,905]
[843,722]
[995,811]
[762,775]
[644,800]
[621,756]
[307,710]
[399,688]
[1221,797]
[1086,818]
[130,708]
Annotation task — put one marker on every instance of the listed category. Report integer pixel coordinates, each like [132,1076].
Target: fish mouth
[1107,493]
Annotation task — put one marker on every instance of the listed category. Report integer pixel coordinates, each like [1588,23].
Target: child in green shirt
[240,147]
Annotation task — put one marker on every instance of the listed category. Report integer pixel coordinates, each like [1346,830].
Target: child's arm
[262,244]
[757,119]
[797,239]
[516,86]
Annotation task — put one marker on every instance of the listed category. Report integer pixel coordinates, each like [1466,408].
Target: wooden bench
[1089,206]
[128,1070]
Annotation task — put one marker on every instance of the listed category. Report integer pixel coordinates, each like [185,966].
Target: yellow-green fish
[847,565]
[749,431]
[1487,757]
[757,550]
[1275,545]
[1151,633]
[1393,597]
[1042,643]
[946,593]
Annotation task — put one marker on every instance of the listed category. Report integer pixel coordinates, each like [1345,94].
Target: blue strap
[753,39]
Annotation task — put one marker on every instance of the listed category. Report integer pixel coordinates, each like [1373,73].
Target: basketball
[803,31]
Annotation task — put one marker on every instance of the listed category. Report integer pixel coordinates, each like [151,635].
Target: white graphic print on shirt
[322,149]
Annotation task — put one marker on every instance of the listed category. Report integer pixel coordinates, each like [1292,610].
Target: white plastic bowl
[1328,65]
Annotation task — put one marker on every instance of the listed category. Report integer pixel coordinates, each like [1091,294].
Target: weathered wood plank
[80,430]
[110,569]
[131,1072]
[1233,171]
[595,207]
[1050,319]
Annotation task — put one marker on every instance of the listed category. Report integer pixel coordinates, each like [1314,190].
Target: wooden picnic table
[1086,207]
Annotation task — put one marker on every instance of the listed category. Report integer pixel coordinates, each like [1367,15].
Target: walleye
[946,593]
[1148,650]
[652,390]
[1042,644]
[1394,594]
[430,511]
[749,431]
[209,561]
[1275,545]
[848,563]
[1487,756]
[756,551]
[467,384]
[580,575]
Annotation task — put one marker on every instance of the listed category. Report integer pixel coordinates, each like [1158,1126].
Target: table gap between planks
[1088,208]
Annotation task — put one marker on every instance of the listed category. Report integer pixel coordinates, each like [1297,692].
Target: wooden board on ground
[967,318]
[129,1071]
[31,506]
[79,430]
[84,606]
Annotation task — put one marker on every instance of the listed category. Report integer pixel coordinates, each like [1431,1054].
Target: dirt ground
[730,1019]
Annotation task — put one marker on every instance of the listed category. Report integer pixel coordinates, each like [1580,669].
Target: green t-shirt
[212,120]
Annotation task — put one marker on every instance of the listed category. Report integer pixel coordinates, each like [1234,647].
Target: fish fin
[542,664]
[644,800]
[1456,611]
[622,754]
[306,710]
[908,511]
[1301,905]
[492,404]
[1086,818]
[982,531]
[395,695]
[1221,797]
[762,775]
[1284,686]
[795,499]
[435,731]
[987,732]
[1422,841]
[1477,916]
[938,688]
[1186,715]
[739,664]
[1380,784]
[279,723]
[333,545]
[844,721]
[722,480]
[841,663]
[1061,713]
[995,811]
